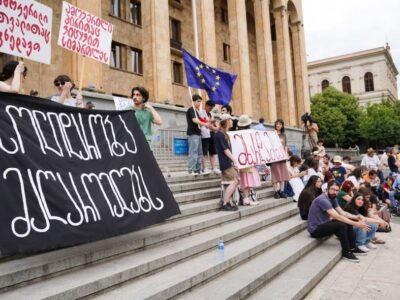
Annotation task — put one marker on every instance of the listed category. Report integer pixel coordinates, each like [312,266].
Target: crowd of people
[334,196]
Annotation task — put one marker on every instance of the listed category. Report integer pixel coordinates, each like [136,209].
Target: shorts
[229,175]
[208,145]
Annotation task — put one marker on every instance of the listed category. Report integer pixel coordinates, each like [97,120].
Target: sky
[335,27]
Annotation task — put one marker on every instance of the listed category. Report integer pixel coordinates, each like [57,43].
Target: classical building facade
[260,40]
[369,75]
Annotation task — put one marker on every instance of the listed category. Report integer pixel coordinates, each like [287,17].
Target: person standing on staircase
[145,113]
[193,132]
[325,218]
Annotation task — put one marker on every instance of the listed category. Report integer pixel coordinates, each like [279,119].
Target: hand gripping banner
[70,176]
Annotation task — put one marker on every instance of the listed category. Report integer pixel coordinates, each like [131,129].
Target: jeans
[393,202]
[195,153]
[342,230]
[363,237]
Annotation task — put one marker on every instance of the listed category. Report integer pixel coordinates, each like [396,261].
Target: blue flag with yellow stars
[217,83]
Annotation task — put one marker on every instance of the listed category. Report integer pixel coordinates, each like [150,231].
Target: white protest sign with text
[252,147]
[25,29]
[84,33]
[123,103]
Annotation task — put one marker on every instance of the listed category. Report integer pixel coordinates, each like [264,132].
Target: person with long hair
[345,194]
[356,177]
[359,206]
[65,85]
[228,164]
[279,171]
[10,77]
[295,176]
[311,191]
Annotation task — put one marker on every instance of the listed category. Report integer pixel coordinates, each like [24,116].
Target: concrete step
[297,280]
[192,208]
[187,274]
[181,177]
[240,282]
[96,277]
[22,269]
[200,184]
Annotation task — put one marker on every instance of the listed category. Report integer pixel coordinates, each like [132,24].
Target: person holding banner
[64,87]
[145,113]
[279,171]
[227,162]
[249,178]
[10,77]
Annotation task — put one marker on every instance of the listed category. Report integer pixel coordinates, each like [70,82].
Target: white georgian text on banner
[84,33]
[25,29]
[252,147]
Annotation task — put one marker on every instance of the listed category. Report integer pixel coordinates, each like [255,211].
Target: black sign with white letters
[70,176]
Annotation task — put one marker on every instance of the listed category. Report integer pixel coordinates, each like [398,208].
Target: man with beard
[326,218]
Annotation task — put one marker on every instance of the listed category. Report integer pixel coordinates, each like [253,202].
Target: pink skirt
[279,172]
[249,179]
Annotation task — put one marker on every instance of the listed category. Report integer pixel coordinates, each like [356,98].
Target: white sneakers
[363,248]
[205,171]
[217,171]
[370,245]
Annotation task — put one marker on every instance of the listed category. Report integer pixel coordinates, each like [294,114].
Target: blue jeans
[393,202]
[363,237]
[195,153]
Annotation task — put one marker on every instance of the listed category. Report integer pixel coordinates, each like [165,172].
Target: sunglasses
[58,83]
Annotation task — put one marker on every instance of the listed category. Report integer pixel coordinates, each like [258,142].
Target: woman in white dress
[295,176]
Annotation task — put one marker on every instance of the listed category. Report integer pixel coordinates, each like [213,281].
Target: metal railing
[169,144]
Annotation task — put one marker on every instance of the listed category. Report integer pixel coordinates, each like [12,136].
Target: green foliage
[380,124]
[337,115]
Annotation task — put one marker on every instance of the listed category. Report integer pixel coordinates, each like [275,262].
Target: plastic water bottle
[221,250]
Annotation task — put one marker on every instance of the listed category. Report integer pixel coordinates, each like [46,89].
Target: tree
[345,109]
[380,124]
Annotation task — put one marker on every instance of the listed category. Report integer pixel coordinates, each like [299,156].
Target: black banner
[69,176]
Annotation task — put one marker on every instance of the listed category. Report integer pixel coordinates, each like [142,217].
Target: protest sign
[84,33]
[123,103]
[25,29]
[252,147]
[70,176]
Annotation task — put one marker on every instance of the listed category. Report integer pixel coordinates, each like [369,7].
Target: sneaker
[283,195]
[205,172]
[229,207]
[194,173]
[363,248]
[277,195]
[371,246]
[350,257]
[217,171]
[357,251]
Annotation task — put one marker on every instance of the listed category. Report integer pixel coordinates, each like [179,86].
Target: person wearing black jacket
[311,191]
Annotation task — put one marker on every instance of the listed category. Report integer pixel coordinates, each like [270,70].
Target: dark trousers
[342,230]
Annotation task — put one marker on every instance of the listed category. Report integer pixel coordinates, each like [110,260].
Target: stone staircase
[268,254]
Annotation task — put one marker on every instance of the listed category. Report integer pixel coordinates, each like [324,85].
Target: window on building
[115,60]
[175,33]
[346,85]
[224,16]
[115,8]
[136,12]
[177,74]
[369,82]
[227,52]
[137,61]
[324,84]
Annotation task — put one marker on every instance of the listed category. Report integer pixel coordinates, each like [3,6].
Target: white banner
[123,103]
[252,147]
[84,33]
[25,29]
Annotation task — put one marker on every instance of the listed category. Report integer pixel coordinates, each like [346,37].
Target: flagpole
[195,33]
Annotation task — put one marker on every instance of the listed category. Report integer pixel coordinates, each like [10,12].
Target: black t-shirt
[193,128]
[235,122]
[221,144]
[392,164]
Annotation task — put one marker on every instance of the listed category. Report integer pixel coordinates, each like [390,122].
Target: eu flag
[217,83]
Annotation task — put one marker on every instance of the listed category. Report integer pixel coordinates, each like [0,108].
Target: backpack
[385,215]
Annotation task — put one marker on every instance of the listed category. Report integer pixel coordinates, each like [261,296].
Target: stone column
[265,60]
[285,66]
[208,39]
[240,61]
[156,49]
[303,65]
